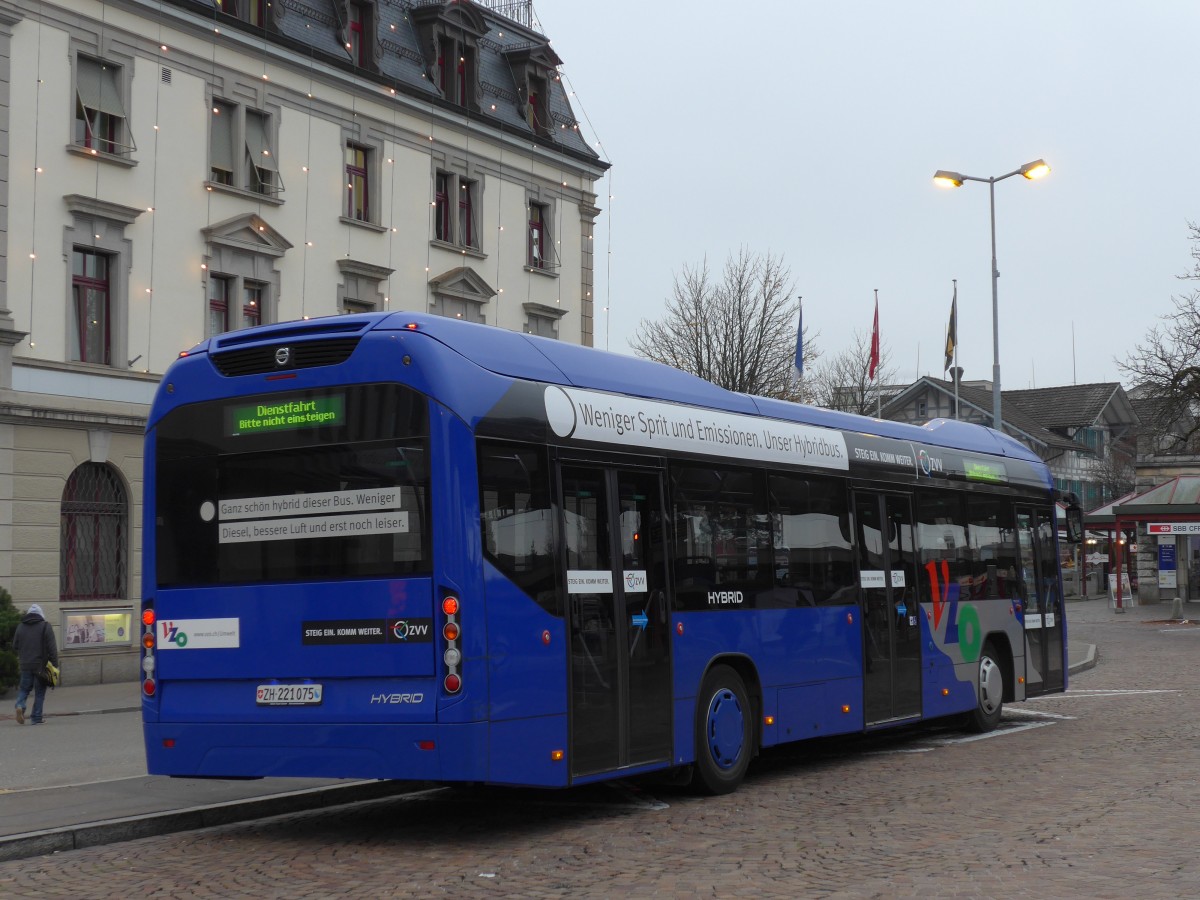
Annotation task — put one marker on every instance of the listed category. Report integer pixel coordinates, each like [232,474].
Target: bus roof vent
[283,355]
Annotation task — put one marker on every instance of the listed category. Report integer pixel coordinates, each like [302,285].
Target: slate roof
[1069,406]
[315,28]
[1016,417]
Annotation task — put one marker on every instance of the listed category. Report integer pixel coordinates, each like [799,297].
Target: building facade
[176,169]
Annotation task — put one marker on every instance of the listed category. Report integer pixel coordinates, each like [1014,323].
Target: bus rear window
[345,497]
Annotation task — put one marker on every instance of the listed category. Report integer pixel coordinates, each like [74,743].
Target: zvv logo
[172,634]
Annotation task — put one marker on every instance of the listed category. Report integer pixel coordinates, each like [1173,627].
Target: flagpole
[954,371]
[875,348]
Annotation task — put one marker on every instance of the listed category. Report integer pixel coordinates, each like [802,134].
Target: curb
[1089,661]
[95,834]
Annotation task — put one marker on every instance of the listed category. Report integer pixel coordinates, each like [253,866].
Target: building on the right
[1085,432]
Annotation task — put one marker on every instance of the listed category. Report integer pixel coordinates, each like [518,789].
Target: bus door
[1042,600]
[616,573]
[891,629]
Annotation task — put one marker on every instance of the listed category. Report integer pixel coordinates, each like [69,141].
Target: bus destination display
[285,415]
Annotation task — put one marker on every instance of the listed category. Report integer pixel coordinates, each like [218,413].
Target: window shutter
[98,86]
[257,144]
[222,138]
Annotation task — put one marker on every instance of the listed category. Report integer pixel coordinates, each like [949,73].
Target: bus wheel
[986,715]
[724,731]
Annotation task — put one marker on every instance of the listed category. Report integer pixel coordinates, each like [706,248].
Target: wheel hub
[726,728]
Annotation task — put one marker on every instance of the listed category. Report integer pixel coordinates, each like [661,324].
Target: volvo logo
[283,356]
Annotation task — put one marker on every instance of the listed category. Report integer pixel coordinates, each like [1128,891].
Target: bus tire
[724,731]
[986,715]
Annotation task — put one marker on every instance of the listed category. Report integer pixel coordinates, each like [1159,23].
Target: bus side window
[810,525]
[516,518]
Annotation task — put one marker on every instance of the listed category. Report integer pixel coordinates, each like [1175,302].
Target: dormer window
[536,109]
[358,33]
[456,71]
[253,12]
[534,71]
[355,43]
[449,35]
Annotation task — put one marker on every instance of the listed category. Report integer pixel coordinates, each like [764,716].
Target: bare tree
[1115,473]
[739,333]
[842,381]
[1166,366]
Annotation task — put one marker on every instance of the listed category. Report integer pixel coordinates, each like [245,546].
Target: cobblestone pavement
[1089,794]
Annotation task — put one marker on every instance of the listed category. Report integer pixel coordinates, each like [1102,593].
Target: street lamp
[942,178]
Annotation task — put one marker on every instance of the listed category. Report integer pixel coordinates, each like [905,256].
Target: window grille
[94,535]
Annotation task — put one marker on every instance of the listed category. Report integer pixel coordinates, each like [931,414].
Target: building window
[253,12]
[362,286]
[222,288]
[94,524]
[355,43]
[441,206]
[254,168]
[456,70]
[218,305]
[100,120]
[466,213]
[358,183]
[539,221]
[253,297]
[922,409]
[220,150]
[455,200]
[537,112]
[260,159]
[542,319]
[91,306]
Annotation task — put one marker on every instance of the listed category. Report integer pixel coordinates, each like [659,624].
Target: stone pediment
[463,283]
[249,232]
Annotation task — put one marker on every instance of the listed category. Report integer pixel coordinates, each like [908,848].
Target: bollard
[1176,608]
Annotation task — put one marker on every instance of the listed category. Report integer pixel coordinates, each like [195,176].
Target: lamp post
[942,178]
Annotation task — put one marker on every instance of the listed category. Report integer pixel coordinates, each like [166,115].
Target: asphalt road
[1088,794]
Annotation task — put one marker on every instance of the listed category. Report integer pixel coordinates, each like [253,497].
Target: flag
[800,343]
[952,331]
[873,362]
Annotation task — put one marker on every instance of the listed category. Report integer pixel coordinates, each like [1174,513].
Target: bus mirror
[1074,525]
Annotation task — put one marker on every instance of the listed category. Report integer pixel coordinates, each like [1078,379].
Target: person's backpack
[51,675]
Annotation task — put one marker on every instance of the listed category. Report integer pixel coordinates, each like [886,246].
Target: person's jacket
[34,643]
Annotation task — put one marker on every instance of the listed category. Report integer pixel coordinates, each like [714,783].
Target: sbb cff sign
[1173,528]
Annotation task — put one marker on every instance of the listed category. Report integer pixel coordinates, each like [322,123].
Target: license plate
[288,694]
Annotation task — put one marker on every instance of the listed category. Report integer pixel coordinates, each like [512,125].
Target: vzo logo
[173,635]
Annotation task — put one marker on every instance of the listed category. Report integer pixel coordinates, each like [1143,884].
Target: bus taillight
[148,662]
[451,656]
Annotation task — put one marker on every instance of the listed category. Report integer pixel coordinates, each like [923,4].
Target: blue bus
[401,546]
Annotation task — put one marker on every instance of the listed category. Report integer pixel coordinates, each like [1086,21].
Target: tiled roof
[1069,406]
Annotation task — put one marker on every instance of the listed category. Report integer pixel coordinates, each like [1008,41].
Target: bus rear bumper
[400,751]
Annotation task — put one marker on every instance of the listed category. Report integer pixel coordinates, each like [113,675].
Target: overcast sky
[812,130]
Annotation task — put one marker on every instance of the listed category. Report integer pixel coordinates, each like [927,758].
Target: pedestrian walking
[35,646]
